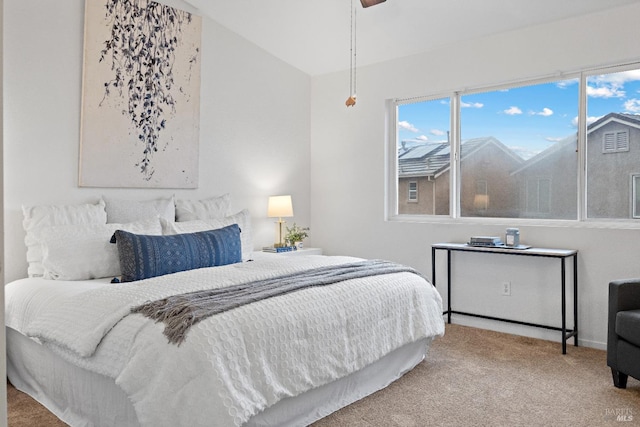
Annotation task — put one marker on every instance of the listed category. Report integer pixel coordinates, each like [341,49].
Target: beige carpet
[472,377]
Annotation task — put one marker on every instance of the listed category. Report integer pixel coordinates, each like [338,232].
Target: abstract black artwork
[141,95]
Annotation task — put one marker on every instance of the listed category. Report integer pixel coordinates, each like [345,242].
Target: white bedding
[233,365]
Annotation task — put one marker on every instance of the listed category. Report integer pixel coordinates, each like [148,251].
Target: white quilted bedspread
[235,364]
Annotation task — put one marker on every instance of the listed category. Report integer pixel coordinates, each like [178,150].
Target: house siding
[561,171]
[609,174]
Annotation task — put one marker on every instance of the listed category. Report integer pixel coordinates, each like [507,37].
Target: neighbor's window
[612,144]
[635,195]
[538,196]
[481,197]
[413,191]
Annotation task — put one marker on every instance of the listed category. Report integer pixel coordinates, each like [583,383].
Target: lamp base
[280,243]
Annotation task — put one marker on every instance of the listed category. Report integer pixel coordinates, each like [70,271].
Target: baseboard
[522,330]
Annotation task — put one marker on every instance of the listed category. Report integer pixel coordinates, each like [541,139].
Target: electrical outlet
[506,289]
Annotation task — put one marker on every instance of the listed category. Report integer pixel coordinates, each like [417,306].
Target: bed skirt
[83,398]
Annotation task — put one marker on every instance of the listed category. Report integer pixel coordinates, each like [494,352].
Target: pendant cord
[351,101]
[351,37]
[355,50]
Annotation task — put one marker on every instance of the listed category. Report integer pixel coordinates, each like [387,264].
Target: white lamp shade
[279,207]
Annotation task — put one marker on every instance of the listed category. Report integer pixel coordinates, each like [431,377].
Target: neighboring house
[421,189]
[486,184]
[547,182]
[613,164]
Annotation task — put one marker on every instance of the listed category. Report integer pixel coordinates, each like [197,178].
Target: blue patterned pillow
[143,256]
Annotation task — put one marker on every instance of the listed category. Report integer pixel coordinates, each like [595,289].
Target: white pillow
[81,252]
[242,218]
[124,211]
[38,218]
[215,207]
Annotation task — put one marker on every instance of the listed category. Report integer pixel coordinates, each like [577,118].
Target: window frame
[392,133]
[635,188]
[414,192]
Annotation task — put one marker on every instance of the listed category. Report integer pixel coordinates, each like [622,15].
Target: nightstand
[303,251]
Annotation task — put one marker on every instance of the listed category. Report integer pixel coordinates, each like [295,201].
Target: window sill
[591,223]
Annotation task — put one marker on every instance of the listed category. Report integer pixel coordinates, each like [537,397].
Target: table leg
[433,266]
[448,286]
[564,308]
[575,299]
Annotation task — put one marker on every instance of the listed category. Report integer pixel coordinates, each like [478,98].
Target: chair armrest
[623,295]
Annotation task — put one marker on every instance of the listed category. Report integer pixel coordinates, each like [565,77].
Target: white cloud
[407,126]
[616,79]
[437,132]
[593,119]
[554,139]
[524,152]
[512,111]
[546,112]
[422,138]
[471,104]
[605,92]
[632,106]
[611,85]
[590,120]
[566,83]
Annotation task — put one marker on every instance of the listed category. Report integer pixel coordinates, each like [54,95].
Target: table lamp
[279,207]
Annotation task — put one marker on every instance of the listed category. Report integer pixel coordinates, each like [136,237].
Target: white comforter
[235,364]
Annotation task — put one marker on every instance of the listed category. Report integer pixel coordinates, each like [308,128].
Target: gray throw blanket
[180,312]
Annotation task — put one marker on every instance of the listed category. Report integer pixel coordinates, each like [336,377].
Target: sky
[528,119]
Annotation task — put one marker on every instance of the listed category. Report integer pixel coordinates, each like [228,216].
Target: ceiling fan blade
[367,3]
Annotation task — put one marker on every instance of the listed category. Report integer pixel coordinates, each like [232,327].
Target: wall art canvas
[140,121]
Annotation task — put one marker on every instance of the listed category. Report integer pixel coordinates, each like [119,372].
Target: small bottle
[512,237]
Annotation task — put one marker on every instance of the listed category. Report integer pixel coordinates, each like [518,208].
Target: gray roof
[418,151]
[547,152]
[432,159]
[632,119]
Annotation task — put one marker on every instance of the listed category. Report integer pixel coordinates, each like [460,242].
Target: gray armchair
[623,340]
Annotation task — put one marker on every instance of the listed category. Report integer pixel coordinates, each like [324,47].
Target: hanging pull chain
[351,101]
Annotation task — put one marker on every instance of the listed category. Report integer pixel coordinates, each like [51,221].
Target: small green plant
[296,234]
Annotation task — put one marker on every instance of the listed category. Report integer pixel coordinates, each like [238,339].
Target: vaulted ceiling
[314,35]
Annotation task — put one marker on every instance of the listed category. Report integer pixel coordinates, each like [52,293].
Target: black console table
[561,254]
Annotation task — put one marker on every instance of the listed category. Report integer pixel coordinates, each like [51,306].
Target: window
[613,142]
[538,196]
[635,195]
[413,191]
[518,151]
[481,198]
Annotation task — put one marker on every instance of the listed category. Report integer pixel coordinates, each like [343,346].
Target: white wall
[348,172]
[254,130]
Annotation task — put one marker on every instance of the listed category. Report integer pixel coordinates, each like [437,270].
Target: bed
[288,359]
